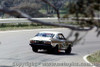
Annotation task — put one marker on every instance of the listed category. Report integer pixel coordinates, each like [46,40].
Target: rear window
[45,34]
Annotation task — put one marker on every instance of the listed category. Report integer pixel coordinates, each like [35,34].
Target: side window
[61,37]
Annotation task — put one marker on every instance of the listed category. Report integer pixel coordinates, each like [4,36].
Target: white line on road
[85,59]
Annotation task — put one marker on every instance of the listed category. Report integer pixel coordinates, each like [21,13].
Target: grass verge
[21,26]
[95,58]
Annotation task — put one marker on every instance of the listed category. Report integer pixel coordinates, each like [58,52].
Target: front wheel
[34,49]
[68,50]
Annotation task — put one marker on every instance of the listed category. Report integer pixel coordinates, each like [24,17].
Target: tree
[57,3]
[30,9]
[26,6]
[79,7]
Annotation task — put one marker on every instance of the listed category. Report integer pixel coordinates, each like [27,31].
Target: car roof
[54,32]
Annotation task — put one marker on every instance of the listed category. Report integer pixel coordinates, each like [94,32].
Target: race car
[51,41]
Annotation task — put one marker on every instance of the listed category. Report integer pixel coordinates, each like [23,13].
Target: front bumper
[41,46]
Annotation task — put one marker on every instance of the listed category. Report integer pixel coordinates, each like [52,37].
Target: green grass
[42,11]
[21,26]
[94,58]
[62,12]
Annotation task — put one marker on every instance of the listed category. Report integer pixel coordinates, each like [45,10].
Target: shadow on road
[60,53]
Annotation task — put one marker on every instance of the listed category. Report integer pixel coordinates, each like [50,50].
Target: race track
[15,50]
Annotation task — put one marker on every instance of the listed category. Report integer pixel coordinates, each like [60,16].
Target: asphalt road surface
[16,52]
[53,19]
[23,20]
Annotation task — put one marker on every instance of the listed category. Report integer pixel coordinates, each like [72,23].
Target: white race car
[50,41]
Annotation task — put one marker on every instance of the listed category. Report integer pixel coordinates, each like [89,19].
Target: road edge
[86,60]
[11,31]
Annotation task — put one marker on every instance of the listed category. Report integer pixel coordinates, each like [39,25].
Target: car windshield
[45,34]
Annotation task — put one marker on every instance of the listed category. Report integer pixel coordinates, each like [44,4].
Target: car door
[61,39]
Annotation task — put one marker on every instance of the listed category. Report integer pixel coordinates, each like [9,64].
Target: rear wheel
[49,50]
[68,50]
[55,49]
[34,49]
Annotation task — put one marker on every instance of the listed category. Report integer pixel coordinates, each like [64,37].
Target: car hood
[41,38]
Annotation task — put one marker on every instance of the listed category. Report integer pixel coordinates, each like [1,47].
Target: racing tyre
[68,50]
[55,49]
[34,49]
[49,51]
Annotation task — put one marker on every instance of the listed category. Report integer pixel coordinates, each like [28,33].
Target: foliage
[78,7]
[38,4]
[85,7]
[30,9]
